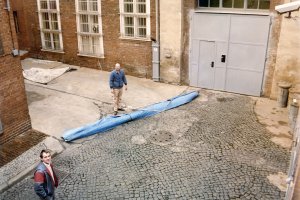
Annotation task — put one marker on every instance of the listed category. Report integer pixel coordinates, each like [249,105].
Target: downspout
[14,52]
[156,47]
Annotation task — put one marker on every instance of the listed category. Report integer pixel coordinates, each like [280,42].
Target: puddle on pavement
[33,97]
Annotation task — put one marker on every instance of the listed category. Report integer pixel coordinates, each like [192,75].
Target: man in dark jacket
[45,179]
[116,81]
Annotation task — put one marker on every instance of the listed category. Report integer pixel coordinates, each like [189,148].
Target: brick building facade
[133,53]
[14,113]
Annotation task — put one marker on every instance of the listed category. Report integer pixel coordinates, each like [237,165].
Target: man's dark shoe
[121,109]
[115,112]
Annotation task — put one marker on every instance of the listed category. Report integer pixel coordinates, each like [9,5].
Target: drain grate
[162,137]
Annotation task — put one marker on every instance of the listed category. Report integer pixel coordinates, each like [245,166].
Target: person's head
[45,156]
[117,67]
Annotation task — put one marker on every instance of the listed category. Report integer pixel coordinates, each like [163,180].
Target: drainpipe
[14,52]
[156,47]
[1,127]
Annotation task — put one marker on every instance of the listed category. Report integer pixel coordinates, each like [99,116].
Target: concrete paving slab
[83,96]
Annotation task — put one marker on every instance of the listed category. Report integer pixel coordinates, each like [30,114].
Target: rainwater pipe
[156,47]
[1,127]
[14,51]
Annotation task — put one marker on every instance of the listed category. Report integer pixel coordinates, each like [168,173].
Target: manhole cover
[224,99]
[162,136]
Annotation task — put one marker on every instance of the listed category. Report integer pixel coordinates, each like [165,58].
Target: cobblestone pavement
[204,150]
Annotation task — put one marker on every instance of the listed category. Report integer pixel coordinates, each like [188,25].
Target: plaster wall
[170,40]
[287,67]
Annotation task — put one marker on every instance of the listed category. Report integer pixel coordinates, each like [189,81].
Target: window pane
[142,22]
[47,38]
[238,4]
[128,7]
[45,20]
[252,4]
[203,3]
[214,3]
[95,45]
[141,8]
[85,46]
[84,26]
[82,6]
[56,41]
[44,5]
[93,5]
[129,21]
[54,21]
[129,31]
[95,26]
[142,32]
[52,4]
[227,3]
[264,4]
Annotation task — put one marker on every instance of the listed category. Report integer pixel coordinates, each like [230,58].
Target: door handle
[212,64]
[223,58]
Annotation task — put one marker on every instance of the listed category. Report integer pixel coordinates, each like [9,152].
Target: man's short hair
[117,65]
[44,151]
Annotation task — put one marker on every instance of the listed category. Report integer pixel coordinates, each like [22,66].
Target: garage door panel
[244,82]
[210,31]
[220,78]
[248,57]
[194,75]
[250,29]
[206,57]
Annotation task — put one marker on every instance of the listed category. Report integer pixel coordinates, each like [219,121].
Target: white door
[206,74]
[239,43]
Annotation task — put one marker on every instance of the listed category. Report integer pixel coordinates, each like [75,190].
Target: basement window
[50,26]
[135,19]
[89,28]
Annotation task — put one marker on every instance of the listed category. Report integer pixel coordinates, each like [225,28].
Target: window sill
[53,51]
[92,56]
[135,39]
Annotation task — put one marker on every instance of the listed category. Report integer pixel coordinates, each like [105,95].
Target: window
[49,17]
[89,28]
[135,19]
[240,4]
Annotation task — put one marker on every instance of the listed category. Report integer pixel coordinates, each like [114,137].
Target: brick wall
[13,104]
[134,55]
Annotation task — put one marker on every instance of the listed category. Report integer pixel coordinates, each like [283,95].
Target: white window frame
[50,31]
[135,15]
[89,34]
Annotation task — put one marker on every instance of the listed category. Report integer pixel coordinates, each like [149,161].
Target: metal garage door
[228,52]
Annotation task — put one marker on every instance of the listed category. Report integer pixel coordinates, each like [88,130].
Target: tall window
[135,19]
[49,17]
[89,28]
[241,4]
